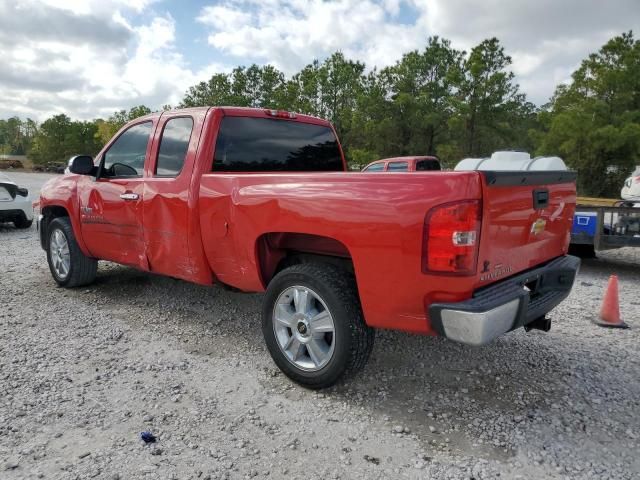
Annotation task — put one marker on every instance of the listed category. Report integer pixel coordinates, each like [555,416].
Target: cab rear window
[376,167]
[247,144]
[427,165]
[398,167]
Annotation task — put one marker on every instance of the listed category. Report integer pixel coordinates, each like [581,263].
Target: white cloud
[291,33]
[220,16]
[84,7]
[546,39]
[87,58]
[392,6]
[102,65]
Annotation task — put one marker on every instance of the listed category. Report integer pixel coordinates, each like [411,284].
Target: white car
[15,203]
[631,189]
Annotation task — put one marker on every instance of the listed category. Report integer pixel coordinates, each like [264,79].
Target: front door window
[125,157]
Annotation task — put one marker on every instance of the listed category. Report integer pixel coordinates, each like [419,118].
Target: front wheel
[69,266]
[313,325]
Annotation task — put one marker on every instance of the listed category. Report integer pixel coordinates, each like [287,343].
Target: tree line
[438,100]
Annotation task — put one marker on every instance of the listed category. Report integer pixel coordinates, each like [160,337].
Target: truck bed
[378,221]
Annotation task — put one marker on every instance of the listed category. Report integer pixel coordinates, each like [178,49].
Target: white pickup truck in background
[631,188]
[15,203]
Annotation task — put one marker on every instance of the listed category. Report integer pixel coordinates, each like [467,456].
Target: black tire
[353,339]
[22,223]
[83,269]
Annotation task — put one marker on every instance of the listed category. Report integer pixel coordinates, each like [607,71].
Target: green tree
[375,128]
[489,103]
[433,101]
[244,87]
[59,138]
[261,86]
[329,90]
[16,135]
[50,143]
[340,85]
[138,111]
[594,122]
[423,86]
[217,91]
[106,129]
[303,91]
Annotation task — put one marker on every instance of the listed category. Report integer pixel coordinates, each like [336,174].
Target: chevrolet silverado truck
[261,200]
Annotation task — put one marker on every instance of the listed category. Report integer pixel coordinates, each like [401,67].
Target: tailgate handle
[540,199]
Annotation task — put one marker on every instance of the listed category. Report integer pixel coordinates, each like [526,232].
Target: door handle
[129,196]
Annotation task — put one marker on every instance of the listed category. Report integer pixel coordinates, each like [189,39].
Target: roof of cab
[405,159]
[409,158]
[243,111]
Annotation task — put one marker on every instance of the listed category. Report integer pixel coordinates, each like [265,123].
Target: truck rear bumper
[506,305]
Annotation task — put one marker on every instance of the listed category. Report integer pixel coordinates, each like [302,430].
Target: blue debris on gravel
[148,437]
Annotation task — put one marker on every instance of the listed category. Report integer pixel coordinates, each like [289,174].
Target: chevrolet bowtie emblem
[537,227]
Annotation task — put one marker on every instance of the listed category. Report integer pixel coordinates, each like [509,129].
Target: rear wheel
[69,266]
[313,324]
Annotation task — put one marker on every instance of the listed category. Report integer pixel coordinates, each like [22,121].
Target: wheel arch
[49,213]
[52,211]
[278,250]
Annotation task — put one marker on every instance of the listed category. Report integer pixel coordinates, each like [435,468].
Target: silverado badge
[538,226]
[498,271]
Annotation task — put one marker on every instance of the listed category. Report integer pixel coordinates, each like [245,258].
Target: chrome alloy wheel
[304,328]
[60,255]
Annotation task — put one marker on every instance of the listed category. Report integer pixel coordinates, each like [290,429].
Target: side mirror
[81,165]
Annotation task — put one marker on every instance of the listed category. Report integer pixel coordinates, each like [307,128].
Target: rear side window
[397,166]
[376,167]
[427,165]
[125,157]
[247,144]
[173,146]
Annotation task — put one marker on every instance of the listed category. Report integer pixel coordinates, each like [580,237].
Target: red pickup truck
[404,164]
[260,200]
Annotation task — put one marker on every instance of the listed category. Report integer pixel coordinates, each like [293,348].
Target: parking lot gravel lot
[84,371]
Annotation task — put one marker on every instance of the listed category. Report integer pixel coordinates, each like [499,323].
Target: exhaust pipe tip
[542,323]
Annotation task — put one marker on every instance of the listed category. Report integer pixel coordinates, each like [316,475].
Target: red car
[404,164]
[261,200]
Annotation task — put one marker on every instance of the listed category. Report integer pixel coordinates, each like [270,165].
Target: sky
[89,58]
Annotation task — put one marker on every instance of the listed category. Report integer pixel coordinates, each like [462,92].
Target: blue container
[585,223]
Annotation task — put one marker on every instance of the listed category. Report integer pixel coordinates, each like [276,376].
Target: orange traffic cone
[610,311]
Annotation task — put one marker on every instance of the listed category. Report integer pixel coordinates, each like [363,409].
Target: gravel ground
[83,372]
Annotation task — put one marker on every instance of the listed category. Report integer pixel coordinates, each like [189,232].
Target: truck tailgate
[526,220]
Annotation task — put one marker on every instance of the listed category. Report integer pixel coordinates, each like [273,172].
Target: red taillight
[280,113]
[451,238]
[636,179]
